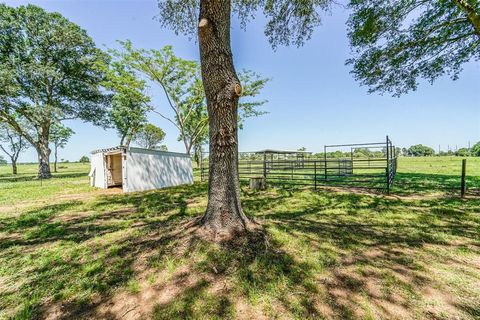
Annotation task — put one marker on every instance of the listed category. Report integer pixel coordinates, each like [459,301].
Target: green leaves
[129,101]
[398,42]
[48,71]
[252,84]
[59,134]
[150,137]
[181,82]
[288,21]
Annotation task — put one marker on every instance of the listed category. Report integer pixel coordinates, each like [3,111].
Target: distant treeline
[83,159]
[418,150]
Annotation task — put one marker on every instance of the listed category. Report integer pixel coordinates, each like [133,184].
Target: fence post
[463,185]
[325,158]
[201,166]
[315,173]
[388,166]
[265,166]
[388,180]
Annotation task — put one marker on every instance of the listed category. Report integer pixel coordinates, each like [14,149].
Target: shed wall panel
[146,170]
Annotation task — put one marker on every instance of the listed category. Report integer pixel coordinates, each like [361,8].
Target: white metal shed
[137,169]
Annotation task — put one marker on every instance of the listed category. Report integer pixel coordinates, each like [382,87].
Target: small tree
[84,159]
[12,144]
[149,136]
[475,151]
[420,150]
[462,152]
[181,82]
[59,136]
[2,161]
[129,101]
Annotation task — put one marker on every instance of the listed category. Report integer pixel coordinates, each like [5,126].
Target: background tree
[2,161]
[289,21]
[475,151]
[420,150]
[150,137]
[130,103]
[51,65]
[84,159]
[398,42]
[59,136]
[181,82]
[12,144]
[462,152]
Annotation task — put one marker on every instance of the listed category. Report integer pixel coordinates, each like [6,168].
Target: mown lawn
[426,175]
[68,251]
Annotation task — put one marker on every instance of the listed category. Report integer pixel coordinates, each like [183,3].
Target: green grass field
[68,251]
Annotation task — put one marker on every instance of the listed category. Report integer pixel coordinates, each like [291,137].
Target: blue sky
[313,100]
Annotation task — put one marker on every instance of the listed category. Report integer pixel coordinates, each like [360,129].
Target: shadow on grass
[9,178]
[323,254]
[420,183]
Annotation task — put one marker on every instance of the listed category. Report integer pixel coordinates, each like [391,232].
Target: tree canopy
[475,151]
[129,101]
[59,136]
[84,159]
[181,82]
[289,22]
[420,150]
[49,69]
[12,144]
[398,42]
[150,137]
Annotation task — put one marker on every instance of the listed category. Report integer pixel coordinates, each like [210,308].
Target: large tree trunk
[43,158]
[224,213]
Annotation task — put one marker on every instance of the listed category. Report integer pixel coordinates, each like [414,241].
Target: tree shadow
[422,183]
[326,255]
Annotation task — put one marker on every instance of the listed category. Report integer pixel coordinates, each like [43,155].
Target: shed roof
[108,149]
[135,149]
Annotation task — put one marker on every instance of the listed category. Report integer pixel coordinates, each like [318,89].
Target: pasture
[68,251]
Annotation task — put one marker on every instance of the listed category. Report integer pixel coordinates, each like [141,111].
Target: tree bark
[55,162]
[14,166]
[188,146]
[224,214]
[43,157]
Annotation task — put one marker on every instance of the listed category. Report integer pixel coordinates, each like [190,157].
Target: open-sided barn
[137,169]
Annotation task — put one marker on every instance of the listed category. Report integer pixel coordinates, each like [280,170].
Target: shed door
[114,170]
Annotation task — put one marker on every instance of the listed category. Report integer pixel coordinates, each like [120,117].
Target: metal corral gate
[281,167]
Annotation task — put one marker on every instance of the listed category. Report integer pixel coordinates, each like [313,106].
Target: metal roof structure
[136,149]
[279,151]
[117,148]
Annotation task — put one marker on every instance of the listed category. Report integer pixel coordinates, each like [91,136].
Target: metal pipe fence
[371,173]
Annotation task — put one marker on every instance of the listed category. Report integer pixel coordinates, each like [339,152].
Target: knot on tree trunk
[238,89]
